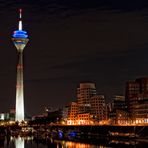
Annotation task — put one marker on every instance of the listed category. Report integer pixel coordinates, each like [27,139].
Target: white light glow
[19,142]
[19,116]
[20,25]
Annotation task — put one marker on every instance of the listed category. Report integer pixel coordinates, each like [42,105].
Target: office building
[85,92]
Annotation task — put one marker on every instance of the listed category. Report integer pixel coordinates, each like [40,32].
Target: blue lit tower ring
[20,39]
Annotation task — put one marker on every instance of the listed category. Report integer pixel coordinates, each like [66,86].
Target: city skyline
[72,42]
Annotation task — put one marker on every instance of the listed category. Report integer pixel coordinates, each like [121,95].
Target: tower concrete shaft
[20,39]
[19,89]
[20,44]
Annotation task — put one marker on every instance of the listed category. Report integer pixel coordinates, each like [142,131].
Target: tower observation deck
[20,39]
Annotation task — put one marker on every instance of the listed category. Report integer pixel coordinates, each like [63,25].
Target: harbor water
[30,142]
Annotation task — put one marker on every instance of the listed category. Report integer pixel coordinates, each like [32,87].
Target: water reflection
[30,142]
[19,142]
[69,144]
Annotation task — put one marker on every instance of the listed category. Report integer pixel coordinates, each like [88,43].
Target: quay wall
[141,131]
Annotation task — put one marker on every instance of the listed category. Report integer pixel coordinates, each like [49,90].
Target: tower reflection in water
[19,142]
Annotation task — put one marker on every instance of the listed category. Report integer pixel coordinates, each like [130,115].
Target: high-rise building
[90,108]
[143,85]
[137,99]
[20,39]
[119,113]
[132,90]
[98,108]
[84,93]
[119,102]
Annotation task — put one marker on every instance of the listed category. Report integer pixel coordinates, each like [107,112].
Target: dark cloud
[72,41]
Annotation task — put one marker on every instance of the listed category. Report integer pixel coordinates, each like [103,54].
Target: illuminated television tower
[20,39]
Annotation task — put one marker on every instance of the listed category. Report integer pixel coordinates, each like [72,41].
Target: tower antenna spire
[20,20]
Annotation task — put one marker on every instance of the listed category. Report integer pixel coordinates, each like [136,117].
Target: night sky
[72,41]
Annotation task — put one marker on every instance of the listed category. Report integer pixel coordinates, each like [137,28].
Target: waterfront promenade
[96,134]
[81,130]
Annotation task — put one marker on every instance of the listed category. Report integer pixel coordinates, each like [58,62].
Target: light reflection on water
[28,142]
[19,142]
[70,144]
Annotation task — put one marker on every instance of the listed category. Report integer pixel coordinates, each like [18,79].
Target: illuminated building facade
[4,116]
[89,108]
[84,119]
[20,39]
[84,93]
[119,102]
[98,107]
[119,114]
[137,99]
[132,90]
[72,113]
